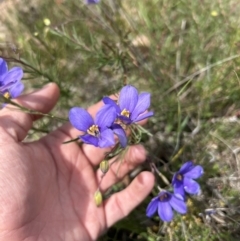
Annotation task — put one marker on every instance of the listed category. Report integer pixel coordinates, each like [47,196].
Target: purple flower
[131,106]
[96,132]
[183,179]
[10,81]
[164,203]
[92,1]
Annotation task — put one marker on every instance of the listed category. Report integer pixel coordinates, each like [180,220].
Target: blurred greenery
[186,53]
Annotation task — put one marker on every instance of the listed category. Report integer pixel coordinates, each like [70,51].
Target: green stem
[33,112]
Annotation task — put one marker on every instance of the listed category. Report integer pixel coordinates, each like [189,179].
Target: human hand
[47,188]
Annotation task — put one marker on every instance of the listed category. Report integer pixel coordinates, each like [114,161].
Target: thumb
[16,123]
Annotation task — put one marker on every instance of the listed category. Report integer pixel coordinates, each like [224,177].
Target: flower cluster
[183,182]
[10,80]
[111,119]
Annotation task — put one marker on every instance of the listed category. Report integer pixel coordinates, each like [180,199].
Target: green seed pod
[104,166]
[98,198]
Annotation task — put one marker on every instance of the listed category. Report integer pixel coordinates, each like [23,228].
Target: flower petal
[178,204]
[13,76]
[128,98]
[80,118]
[92,1]
[178,186]
[152,207]
[174,179]
[186,167]
[3,67]
[5,88]
[195,172]
[105,117]
[191,186]
[108,101]
[106,139]
[144,116]
[125,120]
[165,211]
[16,89]
[89,139]
[118,130]
[142,105]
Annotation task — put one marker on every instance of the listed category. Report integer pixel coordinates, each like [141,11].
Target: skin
[47,188]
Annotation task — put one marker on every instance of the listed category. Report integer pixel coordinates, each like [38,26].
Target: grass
[186,53]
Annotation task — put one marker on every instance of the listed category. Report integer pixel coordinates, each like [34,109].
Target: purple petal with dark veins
[106,139]
[13,76]
[16,89]
[142,105]
[191,186]
[128,98]
[118,130]
[80,118]
[165,211]
[6,87]
[186,167]
[144,116]
[89,139]
[108,101]
[152,207]
[195,172]
[178,204]
[105,116]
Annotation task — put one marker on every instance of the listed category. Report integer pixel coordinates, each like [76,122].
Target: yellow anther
[7,95]
[125,113]
[93,130]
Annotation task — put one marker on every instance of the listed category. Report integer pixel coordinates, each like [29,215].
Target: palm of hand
[47,188]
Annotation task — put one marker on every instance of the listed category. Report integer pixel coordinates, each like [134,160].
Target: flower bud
[98,198]
[104,166]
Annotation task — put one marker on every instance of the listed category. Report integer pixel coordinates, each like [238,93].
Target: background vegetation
[186,53]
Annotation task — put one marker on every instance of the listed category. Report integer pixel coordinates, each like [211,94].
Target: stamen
[7,95]
[163,197]
[125,113]
[93,130]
